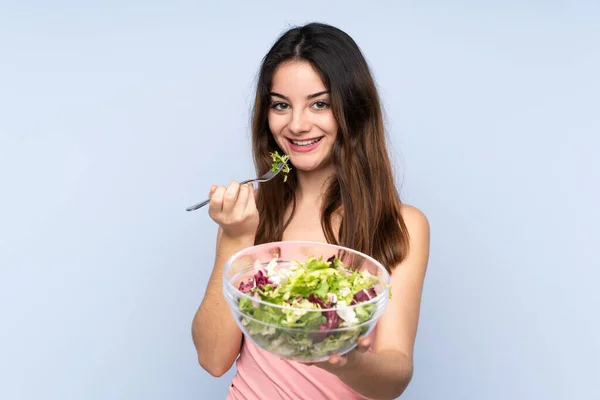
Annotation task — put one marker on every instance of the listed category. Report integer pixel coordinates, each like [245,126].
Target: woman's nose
[300,122]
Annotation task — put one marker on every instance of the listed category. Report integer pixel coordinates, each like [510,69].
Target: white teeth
[305,142]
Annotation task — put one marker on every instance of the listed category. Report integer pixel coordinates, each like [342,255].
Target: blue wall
[115,116]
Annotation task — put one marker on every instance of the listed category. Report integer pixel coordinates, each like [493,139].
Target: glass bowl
[298,316]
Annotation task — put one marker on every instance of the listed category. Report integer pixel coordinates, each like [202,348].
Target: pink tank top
[264,376]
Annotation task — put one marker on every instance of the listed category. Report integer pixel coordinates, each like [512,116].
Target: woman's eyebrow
[310,96]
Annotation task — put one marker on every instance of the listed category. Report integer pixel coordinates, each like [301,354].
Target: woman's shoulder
[414,218]
[416,226]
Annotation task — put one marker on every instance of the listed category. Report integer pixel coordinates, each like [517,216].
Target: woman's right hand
[234,209]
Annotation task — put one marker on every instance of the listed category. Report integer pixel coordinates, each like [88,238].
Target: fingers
[216,201]
[364,343]
[242,200]
[234,209]
[234,200]
[251,203]
[212,191]
[230,197]
[337,360]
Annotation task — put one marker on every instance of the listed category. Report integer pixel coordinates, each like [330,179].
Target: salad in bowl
[304,300]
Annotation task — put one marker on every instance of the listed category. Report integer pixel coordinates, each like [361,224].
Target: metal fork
[266,177]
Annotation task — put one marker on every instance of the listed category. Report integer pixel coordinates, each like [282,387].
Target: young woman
[316,101]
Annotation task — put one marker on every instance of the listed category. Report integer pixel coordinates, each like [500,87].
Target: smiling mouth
[305,142]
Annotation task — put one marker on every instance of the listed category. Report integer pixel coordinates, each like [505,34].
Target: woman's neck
[312,185]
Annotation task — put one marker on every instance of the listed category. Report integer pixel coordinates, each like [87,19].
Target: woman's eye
[279,106]
[321,105]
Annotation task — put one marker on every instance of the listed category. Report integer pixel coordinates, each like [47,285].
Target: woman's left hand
[337,363]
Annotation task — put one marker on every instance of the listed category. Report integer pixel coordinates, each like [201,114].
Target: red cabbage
[363,295]
[246,287]
[259,281]
[333,320]
[317,300]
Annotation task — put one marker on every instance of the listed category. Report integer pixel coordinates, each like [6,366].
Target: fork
[266,177]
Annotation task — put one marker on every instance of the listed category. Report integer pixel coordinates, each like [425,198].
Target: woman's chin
[308,167]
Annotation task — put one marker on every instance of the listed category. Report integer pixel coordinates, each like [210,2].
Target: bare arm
[216,336]
[385,372]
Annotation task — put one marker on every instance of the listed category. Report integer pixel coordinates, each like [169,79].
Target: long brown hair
[362,190]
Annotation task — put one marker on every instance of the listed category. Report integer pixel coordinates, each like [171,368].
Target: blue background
[116,115]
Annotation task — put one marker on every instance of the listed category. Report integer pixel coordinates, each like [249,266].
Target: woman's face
[300,116]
